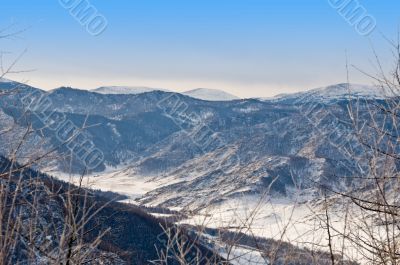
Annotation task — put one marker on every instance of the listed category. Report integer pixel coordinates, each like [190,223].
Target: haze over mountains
[333,92]
[200,93]
[337,91]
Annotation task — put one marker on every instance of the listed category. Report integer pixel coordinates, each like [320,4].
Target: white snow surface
[296,220]
[132,90]
[210,94]
[120,180]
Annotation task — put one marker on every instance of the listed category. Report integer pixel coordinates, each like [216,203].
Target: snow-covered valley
[298,218]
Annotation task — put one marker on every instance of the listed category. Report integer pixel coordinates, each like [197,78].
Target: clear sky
[247,47]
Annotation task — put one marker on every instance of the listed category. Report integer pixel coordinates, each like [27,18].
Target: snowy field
[119,180]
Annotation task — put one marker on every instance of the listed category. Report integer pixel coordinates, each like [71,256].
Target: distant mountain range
[244,145]
[200,93]
[333,92]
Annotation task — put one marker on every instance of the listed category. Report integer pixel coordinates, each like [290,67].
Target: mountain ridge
[330,92]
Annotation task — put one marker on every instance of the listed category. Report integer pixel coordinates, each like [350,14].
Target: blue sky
[247,47]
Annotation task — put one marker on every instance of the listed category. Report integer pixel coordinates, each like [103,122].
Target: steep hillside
[40,202]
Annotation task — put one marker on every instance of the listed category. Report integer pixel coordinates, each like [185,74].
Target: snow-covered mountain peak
[345,90]
[210,94]
[132,90]
[336,92]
